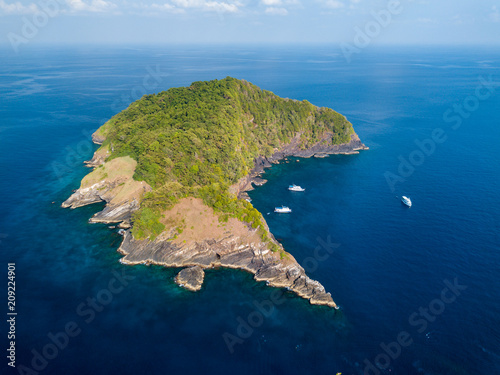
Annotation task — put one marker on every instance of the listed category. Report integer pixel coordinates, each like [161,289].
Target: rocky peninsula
[191,212]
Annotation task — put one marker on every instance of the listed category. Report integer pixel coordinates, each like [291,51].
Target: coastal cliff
[189,211]
[112,183]
[211,245]
[321,149]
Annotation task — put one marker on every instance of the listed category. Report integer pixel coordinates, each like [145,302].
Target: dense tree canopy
[198,140]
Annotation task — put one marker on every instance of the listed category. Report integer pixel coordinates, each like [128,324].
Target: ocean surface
[418,287]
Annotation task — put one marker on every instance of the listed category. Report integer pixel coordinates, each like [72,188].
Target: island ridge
[174,169]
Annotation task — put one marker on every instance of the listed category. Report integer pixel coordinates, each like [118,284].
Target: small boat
[282,210]
[294,187]
[406,201]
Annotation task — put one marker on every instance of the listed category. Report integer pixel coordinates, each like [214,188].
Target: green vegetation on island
[199,140]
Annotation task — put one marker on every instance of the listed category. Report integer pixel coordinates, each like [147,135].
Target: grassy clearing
[123,168]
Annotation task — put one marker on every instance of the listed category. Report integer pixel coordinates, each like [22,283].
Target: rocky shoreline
[320,150]
[244,251]
[120,192]
[229,252]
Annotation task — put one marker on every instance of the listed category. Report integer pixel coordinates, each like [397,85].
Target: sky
[351,22]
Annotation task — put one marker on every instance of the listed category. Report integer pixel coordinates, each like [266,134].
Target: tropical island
[174,168]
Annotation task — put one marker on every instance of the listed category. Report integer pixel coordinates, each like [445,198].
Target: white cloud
[166,7]
[17,8]
[151,7]
[180,6]
[276,11]
[221,7]
[189,3]
[73,6]
[95,6]
[334,4]
[279,7]
[271,2]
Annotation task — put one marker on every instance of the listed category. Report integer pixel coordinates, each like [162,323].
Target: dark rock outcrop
[116,213]
[103,192]
[321,149]
[97,138]
[89,195]
[97,160]
[229,252]
[191,278]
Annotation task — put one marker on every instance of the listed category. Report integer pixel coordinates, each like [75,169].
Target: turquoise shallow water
[387,263]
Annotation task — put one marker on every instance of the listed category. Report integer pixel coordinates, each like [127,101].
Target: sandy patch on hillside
[198,222]
[119,173]
[119,168]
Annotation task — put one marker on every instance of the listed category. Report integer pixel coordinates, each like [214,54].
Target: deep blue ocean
[418,287]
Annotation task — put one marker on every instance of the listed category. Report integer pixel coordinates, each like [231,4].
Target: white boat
[294,187]
[406,201]
[282,210]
